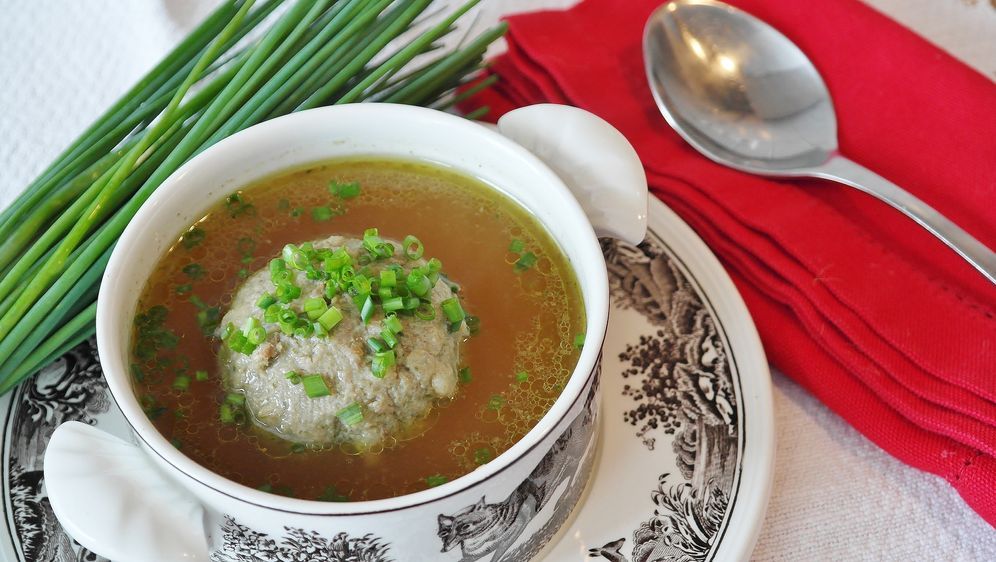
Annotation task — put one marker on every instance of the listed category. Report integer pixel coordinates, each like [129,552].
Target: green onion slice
[367,309]
[181,382]
[526,261]
[425,311]
[418,283]
[266,300]
[344,190]
[376,345]
[315,386]
[393,323]
[351,415]
[413,247]
[330,318]
[452,309]
[389,338]
[393,304]
[579,341]
[436,480]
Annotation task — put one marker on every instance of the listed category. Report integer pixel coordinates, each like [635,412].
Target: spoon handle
[848,172]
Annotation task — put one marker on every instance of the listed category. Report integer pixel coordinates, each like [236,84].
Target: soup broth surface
[531,325]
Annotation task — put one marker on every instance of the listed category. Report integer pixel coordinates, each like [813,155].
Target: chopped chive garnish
[272,313]
[344,190]
[382,361]
[579,341]
[367,309]
[297,211]
[436,480]
[332,495]
[389,338]
[192,238]
[181,382]
[376,345]
[393,304]
[303,328]
[413,247]
[208,317]
[425,311]
[464,375]
[243,273]
[330,318]
[315,307]
[517,246]
[388,278]
[526,261]
[225,413]
[229,329]
[184,289]
[473,324]
[418,283]
[293,376]
[287,292]
[496,402]
[315,386]
[238,207]
[287,316]
[246,246]
[351,415]
[254,332]
[452,309]
[434,265]
[193,271]
[268,488]
[393,323]
[266,300]
[321,214]
[235,399]
[521,376]
[201,375]
[484,455]
[298,448]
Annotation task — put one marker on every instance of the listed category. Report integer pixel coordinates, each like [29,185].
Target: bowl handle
[113,500]
[595,161]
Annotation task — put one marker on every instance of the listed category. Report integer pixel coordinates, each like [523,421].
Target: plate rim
[755,477]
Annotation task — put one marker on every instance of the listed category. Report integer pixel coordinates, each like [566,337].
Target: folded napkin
[862,307]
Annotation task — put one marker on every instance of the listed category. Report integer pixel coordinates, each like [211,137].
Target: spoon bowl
[746,97]
[740,92]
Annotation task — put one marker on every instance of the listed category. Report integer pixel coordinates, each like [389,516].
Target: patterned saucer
[687,448]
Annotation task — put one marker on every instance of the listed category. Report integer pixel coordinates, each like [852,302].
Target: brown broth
[528,323]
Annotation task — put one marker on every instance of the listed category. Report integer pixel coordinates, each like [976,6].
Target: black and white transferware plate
[687,445]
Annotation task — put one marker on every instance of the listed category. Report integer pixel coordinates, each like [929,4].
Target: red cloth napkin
[854,301]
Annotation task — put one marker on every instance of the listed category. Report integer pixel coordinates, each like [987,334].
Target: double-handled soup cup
[156,504]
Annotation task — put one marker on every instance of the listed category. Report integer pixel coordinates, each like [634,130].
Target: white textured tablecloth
[836,496]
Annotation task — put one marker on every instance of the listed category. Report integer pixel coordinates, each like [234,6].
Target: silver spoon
[746,97]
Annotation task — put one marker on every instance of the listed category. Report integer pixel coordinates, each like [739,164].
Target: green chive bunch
[238,68]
